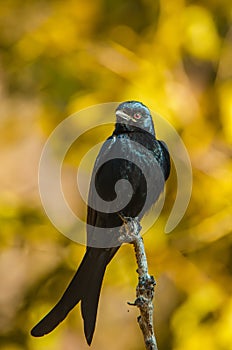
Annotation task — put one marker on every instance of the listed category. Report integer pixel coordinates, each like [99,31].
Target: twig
[130,232]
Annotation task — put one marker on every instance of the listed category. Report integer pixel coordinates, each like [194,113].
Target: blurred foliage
[58,57]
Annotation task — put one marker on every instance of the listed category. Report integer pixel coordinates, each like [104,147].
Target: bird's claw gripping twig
[130,229]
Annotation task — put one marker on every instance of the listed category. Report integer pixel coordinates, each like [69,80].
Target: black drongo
[128,176]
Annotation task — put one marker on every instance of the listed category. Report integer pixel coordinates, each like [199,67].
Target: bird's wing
[165,163]
[101,216]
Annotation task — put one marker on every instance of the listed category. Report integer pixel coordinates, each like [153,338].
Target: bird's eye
[137,116]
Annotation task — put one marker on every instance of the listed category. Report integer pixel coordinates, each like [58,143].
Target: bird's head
[134,114]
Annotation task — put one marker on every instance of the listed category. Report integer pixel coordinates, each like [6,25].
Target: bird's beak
[122,115]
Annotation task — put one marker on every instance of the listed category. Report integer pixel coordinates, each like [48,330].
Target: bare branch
[130,232]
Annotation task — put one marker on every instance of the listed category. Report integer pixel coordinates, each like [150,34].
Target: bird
[128,177]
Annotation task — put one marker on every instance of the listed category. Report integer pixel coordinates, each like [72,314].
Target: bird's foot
[130,229]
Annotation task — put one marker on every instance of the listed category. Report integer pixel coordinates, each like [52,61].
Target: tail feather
[70,298]
[89,302]
[85,286]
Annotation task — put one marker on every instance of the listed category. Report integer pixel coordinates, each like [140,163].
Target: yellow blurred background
[58,57]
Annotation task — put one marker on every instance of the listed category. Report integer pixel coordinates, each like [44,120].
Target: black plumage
[132,155]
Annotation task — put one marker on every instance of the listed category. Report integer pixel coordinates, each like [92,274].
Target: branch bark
[130,232]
